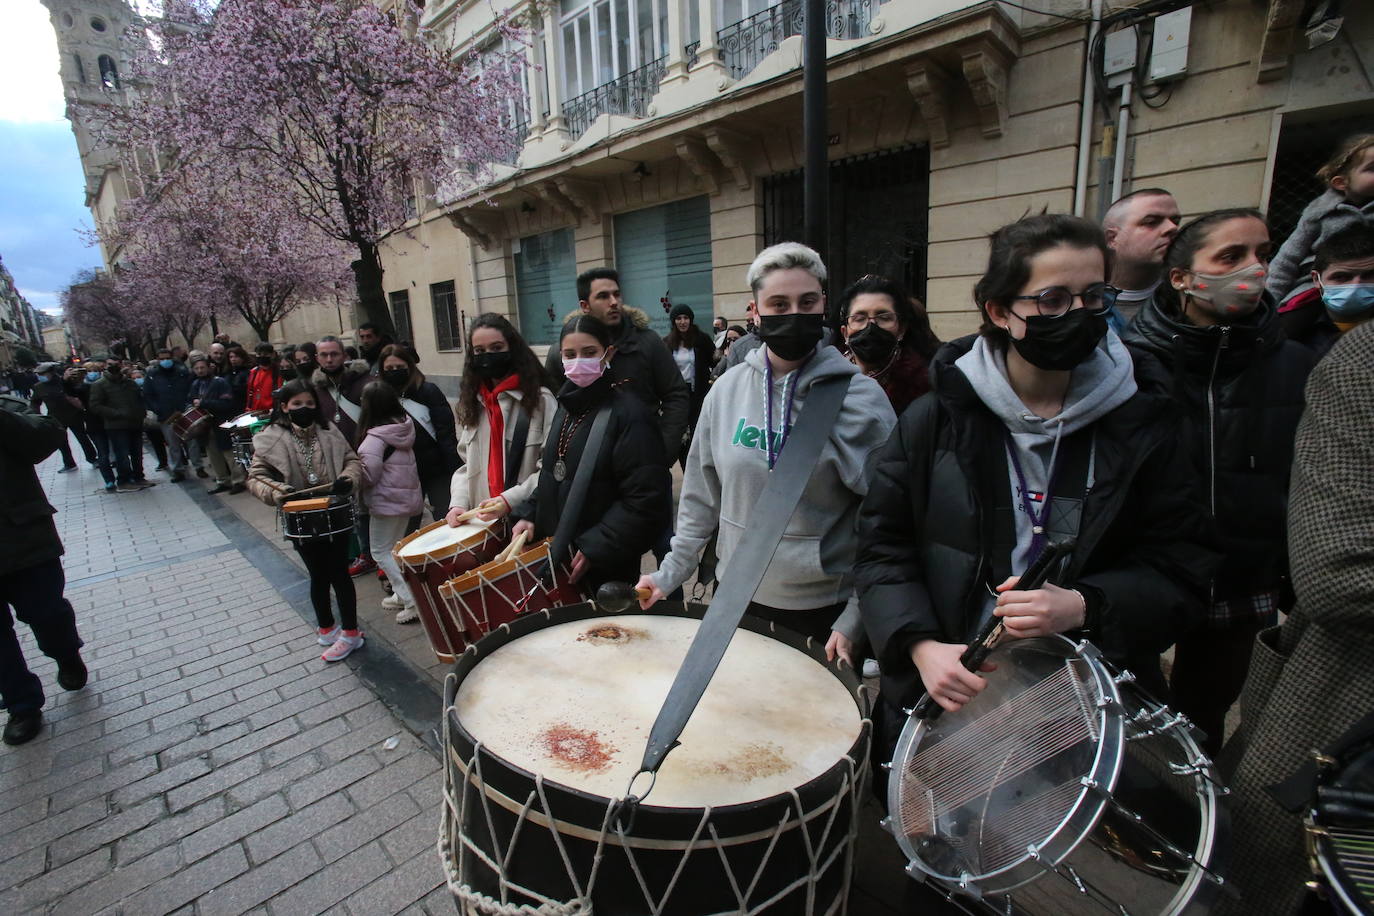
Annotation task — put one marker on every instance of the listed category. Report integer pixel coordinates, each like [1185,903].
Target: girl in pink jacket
[391,483]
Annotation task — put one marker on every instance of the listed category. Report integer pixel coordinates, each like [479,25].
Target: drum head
[574,702]
[438,538]
[974,789]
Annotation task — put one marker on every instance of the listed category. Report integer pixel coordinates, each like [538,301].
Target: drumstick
[468,516]
[516,544]
[615,597]
[987,638]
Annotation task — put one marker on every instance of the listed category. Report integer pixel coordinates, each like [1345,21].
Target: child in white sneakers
[391,483]
[300,450]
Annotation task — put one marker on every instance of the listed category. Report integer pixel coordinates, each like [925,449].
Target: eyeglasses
[1056,301]
[883,319]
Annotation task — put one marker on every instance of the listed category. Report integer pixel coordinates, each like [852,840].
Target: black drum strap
[515,454]
[748,563]
[577,493]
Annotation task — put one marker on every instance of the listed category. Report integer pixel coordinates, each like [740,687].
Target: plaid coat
[1311,678]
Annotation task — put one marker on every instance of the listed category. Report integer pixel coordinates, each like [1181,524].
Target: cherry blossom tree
[339,112]
[205,246]
[91,304]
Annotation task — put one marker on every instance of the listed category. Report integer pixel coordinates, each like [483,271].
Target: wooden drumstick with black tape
[615,597]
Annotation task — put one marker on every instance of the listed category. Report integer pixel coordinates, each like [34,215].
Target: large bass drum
[1060,790]
[546,721]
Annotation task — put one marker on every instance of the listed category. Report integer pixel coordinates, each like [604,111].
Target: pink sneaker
[343,646]
[327,637]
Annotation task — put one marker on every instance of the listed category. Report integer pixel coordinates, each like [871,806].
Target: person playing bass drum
[743,431]
[627,504]
[1040,426]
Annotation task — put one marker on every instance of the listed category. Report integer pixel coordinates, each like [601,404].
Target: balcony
[745,43]
[627,95]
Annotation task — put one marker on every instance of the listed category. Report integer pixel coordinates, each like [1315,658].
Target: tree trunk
[367,273]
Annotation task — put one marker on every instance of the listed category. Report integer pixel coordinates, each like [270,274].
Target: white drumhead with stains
[575,702]
[442,536]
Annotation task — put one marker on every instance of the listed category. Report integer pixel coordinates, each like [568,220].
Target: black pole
[816,200]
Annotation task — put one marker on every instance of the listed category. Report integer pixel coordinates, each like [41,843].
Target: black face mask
[303,416]
[1060,344]
[307,369]
[265,360]
[396,378]
[791,336]
[873,345]
[492,365]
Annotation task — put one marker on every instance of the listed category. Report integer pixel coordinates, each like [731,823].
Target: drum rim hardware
[1095,798]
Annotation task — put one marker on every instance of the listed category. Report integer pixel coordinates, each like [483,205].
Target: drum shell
[191,424]
[820,818]
[488,596]
[426,572]
[318,523]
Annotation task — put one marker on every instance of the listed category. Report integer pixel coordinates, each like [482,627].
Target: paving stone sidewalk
[214,764]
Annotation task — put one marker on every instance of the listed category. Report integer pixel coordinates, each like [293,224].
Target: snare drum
[241,431]
[430,557]
[546,721]
[191,424]
[1340,824]
[496,593]
[1060,789]
[308,519]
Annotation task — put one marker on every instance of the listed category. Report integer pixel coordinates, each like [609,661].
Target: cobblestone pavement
[214,764]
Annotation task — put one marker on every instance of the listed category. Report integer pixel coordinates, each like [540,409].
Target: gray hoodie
[1098,385]
[728,468]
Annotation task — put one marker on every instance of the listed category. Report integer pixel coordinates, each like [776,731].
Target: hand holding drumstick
[488,510]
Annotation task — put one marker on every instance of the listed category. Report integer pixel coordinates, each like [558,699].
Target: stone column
[709,61]
[553,60]
[677,61]
[534,78]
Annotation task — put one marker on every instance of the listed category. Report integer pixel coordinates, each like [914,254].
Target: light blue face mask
[92,376]
[1349,303]
[165,363]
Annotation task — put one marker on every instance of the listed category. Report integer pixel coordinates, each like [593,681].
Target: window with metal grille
[448,335]
[879,217]
[1305,146]
[400,314]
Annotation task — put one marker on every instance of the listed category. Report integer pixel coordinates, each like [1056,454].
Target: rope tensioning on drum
[793,818]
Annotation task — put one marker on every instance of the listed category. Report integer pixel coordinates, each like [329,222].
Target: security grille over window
[1304,147]
[400,314]
[627,95]
[447,332]
[745,43]
[879,205]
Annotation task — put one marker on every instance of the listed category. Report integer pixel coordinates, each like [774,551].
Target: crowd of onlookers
[1168,394]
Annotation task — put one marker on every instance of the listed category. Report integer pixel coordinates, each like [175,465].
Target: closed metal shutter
[545,284]
[663,252]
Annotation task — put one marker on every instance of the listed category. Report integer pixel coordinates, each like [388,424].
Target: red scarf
[496,451]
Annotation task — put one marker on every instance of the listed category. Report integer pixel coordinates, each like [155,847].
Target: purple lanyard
[1037,519]
[789,391]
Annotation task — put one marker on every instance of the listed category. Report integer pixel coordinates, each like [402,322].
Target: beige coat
[474,444]
[277,467]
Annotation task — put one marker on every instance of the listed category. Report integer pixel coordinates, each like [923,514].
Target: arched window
[109,73]
[80,69]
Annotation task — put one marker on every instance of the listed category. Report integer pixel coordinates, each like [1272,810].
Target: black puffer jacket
[926,528]
[1241,390]
[628,503]
[437,454]
[645,368]
[27,533]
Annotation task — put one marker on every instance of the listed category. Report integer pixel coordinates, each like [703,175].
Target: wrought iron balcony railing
[743,44]
[625,95]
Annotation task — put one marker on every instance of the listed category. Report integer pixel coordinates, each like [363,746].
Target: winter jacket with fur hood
[391,482]
[645,368]
[341,396]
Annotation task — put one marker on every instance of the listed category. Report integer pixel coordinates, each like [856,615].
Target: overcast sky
[42,201]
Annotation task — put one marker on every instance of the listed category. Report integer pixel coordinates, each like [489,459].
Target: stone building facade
[676,158]
[93,61]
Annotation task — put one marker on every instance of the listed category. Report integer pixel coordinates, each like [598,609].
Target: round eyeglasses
[858,322]
[1056,301]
